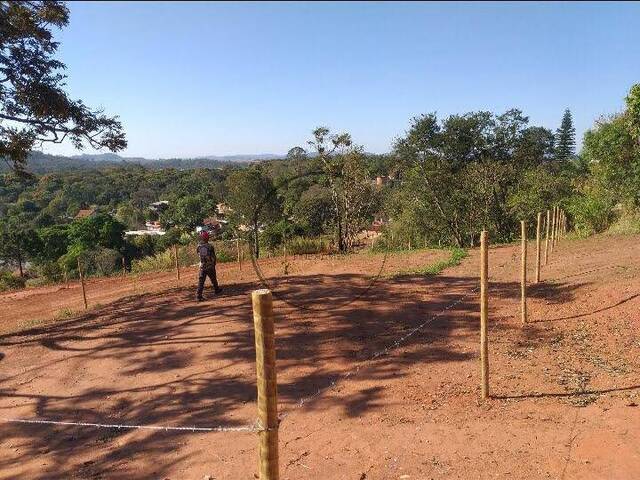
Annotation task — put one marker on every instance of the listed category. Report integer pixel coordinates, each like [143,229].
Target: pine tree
[566,137]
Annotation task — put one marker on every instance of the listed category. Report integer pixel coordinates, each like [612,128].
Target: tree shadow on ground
[597,310]
[162,359]
[566,394]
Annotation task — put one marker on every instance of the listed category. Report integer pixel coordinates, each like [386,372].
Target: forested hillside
[443,181]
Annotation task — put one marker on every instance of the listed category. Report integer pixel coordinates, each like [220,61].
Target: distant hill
[39,162]
[112,157]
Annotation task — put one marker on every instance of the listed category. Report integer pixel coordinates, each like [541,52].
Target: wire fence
[300,403]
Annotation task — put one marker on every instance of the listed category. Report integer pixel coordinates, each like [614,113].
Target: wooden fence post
[286,262]
[84,294]
[267,385]
[546,241]
[538,227]
[553,229]
[523,279]
[124,267]
[238,250]
[175,256]
[484,315]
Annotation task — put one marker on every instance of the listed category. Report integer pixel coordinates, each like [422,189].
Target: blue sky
[193,79]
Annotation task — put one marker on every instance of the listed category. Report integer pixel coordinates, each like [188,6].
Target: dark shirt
[207,255]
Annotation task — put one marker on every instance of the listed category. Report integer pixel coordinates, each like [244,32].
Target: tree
[566,137]
[187,213]
[17,244]
[313,211]
[55,241]
[254,201]
[34,107]
[297,153]
[346,173]
[633,111]
[98,231]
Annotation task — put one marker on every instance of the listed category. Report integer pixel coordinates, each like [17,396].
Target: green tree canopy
[254,200]
[34,108]
[566,137]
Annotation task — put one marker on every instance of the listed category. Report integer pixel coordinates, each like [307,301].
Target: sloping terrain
[356,403]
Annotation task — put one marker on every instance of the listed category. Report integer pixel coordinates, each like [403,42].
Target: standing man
[207,256]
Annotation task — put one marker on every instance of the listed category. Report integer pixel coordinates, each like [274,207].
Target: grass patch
[457,255]
[65,313]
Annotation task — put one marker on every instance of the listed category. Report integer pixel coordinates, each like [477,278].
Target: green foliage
[34,108]
[50,272]
[456,256]
[627,224]
[9,281]
[253,198]
[538,189]
[17,243]
[353,198]
[633,112]
[188,212]
[566,137]
[590,213]
[100,230]
[276,233]
[308,246]
[459,174]
[187,256]
[614,159]
[54,243]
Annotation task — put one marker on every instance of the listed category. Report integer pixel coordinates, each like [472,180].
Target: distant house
[378,224]
[381,181]
[133,233]
[223,209]
[159,207]
[212,225]
[153,226]
[85,213]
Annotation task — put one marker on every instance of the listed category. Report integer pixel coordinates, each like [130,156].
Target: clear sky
[195,79]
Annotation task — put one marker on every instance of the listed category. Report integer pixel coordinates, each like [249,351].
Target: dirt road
[565,387]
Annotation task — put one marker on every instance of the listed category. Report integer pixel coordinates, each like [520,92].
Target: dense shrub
[303,246]
[590,213]
[9,281]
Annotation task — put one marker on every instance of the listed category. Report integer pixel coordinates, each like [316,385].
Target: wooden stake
[267,385]
[546,241]
[84,293]
[523,279]
[538,227]
[286,263]
[175,257]
[239,257]
[553,229]
[124,268]
[484,315]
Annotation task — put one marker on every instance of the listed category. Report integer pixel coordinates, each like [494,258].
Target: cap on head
[204,236]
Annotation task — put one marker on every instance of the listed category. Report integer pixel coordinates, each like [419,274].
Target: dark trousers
[204,273]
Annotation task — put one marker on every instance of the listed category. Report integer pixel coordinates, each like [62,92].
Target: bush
[98,261]
[9,281]
[303,246]
[590,213]
[104,261]
[628,223]
[50,272]
[165,260]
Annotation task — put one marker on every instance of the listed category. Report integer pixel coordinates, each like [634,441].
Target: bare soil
[565,387]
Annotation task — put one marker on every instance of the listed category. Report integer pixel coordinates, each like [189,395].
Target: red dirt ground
[565,387]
